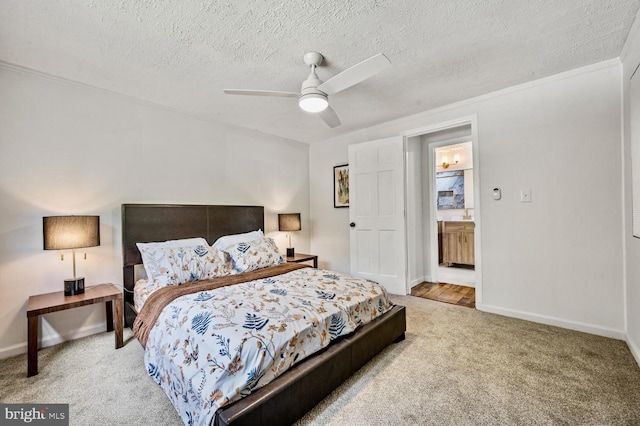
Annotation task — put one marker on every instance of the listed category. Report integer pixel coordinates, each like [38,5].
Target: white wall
[556,260]
[329,225]
[71,149]
[416,222]
[631,59]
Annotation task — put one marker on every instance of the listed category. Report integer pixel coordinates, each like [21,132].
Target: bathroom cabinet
[440,242]
[458,242]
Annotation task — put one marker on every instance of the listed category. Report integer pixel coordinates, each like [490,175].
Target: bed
[290,395]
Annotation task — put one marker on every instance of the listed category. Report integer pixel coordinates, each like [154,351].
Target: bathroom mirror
[450,189]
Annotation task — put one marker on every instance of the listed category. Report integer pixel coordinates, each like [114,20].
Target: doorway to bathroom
[442,210]
[452,172]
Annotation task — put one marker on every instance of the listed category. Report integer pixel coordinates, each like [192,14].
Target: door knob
[352,224]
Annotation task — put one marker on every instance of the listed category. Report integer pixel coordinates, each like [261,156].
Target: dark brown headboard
[142,223]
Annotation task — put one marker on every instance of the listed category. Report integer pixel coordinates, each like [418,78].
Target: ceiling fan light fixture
[314,93]
[313,102]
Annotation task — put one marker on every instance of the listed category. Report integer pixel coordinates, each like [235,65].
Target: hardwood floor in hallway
[447,293]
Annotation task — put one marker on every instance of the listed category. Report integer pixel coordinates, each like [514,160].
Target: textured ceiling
[181,54]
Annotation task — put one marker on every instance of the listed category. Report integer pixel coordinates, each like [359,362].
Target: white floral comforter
[211,348]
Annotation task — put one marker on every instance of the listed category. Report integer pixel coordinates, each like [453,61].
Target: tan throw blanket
[157,301]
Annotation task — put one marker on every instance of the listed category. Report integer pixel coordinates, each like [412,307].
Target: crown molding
[390,128]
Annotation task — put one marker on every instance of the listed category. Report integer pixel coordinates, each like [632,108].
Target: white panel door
[376,213]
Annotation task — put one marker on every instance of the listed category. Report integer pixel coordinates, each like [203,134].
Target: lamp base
[290,252]
[73,286]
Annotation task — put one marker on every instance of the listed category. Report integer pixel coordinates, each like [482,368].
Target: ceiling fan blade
[261,93]
[330,117]
[356,74]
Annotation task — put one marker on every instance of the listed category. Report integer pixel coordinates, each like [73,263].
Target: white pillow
[226,241]
[185,242]
[179,265]
[248,256]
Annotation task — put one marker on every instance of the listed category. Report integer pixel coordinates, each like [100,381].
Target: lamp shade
[70,232]
[289,222]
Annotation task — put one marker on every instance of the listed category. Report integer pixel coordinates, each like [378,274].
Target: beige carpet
[457,366]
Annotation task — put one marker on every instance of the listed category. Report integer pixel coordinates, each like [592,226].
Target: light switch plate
[525,195]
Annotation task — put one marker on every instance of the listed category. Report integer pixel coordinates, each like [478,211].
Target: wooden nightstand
[52,302]
[300,257]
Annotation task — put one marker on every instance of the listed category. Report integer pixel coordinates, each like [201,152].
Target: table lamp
[289,222]
[71,232]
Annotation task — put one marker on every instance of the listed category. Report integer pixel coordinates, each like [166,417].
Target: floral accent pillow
[249,256]
[178,265]
[185,242]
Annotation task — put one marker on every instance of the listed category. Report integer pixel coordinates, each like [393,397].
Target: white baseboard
[428,279]
[415,282]
[635,351]
[461,282]
[51,340]
[558,322]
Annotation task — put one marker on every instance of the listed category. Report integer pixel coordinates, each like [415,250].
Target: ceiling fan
[314,94]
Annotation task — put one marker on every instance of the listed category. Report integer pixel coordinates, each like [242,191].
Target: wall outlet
[525,195]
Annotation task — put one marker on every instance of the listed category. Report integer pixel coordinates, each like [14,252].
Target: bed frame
[290,396]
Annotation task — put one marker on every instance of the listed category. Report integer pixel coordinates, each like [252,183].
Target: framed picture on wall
[341,186]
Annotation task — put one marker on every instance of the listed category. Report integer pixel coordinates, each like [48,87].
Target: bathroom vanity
[458,242]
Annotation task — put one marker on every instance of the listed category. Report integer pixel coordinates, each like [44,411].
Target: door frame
[433,225]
